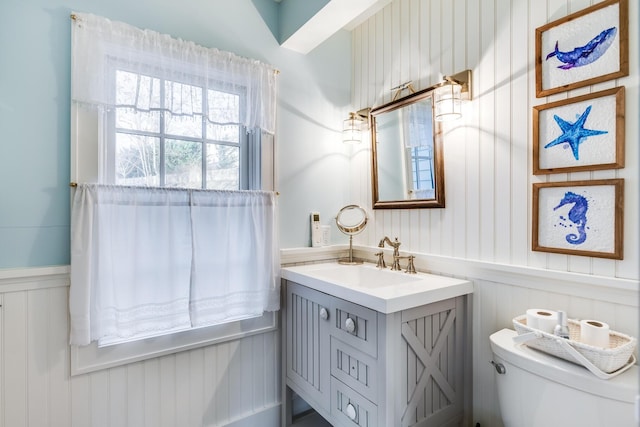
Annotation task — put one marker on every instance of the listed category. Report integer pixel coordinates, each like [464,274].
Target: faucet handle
[411,269]
[380,263]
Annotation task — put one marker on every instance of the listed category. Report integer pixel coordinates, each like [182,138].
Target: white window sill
[93,358]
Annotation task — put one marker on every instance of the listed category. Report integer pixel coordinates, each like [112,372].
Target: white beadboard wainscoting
[237,383]
[234,383]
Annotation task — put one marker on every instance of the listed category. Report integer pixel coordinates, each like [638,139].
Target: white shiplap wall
[488,154]
[223,384]
[485,227]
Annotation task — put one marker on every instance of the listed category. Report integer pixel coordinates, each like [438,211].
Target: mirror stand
[351,220]
[350,260]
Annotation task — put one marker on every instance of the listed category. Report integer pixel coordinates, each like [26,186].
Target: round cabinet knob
[351,412]
[350,325]
[324,314]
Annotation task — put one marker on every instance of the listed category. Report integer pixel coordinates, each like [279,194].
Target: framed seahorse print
[579,218]
[584,48]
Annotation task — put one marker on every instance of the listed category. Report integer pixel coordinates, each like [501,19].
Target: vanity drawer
[354,368]
[356,325]
[349,408]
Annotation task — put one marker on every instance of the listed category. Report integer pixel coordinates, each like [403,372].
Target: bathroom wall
[224,384]
[484,233]
[314,98]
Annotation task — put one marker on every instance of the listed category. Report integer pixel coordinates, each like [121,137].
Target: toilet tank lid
[623,387]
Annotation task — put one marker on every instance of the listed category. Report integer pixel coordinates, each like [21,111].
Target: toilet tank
[540,390]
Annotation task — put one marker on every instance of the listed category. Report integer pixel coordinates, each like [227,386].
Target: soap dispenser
[561,329]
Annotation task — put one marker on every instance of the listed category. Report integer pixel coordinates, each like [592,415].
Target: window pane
[136,96]
[183,104]
[223,116]
[183,125]
[129,118]
[226,133]
[223,167]
[137,160]
[183,164]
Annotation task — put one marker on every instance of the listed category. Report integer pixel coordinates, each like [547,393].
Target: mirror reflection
[407,162]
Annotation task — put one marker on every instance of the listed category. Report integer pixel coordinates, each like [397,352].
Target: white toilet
[539,390]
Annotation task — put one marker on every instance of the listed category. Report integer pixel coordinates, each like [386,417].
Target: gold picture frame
[571,54]
[584,133]
[579,218]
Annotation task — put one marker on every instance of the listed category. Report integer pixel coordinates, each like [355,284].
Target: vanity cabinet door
[308,317]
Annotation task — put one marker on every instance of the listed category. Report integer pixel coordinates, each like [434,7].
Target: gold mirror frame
[438,162]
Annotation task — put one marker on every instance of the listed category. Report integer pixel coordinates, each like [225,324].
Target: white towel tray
[605,363]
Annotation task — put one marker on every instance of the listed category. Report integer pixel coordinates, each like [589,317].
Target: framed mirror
[406,152]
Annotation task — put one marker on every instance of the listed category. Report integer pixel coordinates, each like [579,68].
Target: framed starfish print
[584,48]
[579,134]
[579,218]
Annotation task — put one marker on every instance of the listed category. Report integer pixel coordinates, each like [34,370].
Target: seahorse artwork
[586,54]
[574,134]
[577,215]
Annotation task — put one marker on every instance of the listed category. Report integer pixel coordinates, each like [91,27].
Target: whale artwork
[577,216]
[574,134]
[586,54]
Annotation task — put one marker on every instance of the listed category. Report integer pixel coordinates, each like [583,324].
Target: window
[157,123]
[156,144]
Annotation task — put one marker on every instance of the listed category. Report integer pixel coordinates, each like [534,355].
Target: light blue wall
[314,92]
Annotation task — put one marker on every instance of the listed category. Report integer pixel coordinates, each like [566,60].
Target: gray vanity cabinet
[359,367]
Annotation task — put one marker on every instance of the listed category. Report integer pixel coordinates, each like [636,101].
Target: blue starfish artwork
[574,134]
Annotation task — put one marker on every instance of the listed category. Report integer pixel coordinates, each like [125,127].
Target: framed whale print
[579,218]
[580,134]
[584,48]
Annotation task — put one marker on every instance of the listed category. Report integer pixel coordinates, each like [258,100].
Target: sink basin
[385,291]
[365,276]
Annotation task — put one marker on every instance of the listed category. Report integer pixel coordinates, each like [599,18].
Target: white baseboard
[268,417]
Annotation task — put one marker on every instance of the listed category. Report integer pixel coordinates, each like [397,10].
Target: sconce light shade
[352,130]
[448,104]
[352,127]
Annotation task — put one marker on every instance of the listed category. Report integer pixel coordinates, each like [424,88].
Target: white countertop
[385,291]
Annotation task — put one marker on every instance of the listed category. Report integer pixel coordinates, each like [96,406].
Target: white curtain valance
[147,261]
[99,46]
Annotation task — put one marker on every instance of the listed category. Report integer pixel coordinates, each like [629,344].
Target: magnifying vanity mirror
[351,220]
[407,159]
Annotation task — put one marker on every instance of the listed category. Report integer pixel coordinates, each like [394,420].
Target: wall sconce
[352,127]
[448,96]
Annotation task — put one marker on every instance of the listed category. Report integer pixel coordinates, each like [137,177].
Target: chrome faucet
[396,253]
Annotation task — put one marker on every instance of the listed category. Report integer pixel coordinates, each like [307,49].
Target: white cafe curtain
[146,261]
